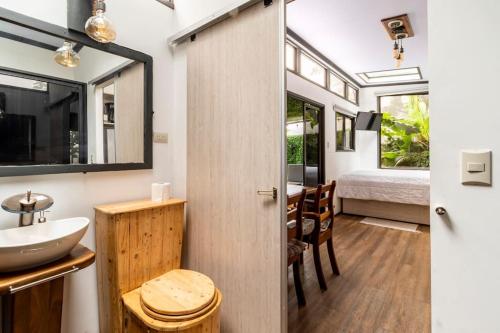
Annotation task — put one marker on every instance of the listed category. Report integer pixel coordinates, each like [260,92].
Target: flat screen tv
[368,121]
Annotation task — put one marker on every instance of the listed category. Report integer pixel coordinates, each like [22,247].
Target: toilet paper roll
[157,192]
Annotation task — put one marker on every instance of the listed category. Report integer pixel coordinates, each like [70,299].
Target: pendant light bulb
[398,61]
[401,54]
[395,50]
[99,27]
[66,56]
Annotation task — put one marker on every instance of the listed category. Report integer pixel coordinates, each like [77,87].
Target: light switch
[476,167]
[159,137]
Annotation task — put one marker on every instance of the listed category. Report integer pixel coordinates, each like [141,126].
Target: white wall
[77,194]
[368,140]
[336,163]
[464,105]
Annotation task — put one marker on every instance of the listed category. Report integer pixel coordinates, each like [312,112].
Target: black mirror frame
[58,31]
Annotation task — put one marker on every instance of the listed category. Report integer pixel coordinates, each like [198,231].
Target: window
[312,70]
[404,136]
[352,94]
[337,85]
[291,57]
[304,142]
[308,65]
[391,76]
[345,132]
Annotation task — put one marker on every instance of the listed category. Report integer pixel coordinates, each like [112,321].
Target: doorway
[350,71]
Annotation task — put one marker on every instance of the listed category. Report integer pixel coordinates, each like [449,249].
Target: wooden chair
[295,245]
[320,210]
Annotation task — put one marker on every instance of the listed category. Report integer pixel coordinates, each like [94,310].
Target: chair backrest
[323,198]
[296,204]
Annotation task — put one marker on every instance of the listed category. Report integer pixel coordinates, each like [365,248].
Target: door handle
[270,193]
[440,210]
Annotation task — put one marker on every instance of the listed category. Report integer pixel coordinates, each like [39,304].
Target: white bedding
[402,186]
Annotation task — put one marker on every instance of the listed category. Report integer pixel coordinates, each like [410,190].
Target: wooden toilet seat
[179,295]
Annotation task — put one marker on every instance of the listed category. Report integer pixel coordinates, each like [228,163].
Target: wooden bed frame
[387,210]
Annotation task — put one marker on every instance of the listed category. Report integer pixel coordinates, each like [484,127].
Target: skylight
[392,76]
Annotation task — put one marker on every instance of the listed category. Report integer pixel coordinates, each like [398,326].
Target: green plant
[295,149]
[405,139]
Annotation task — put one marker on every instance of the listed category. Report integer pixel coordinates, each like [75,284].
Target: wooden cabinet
[135,242]
[32,299]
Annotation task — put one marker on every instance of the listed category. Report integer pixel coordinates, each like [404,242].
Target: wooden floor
[384,286]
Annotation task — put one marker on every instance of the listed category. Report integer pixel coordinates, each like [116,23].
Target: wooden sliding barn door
[235,148]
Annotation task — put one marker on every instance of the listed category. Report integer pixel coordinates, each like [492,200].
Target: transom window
[352,94]
[291,57]
[337,85]
[312,70]
[309,66]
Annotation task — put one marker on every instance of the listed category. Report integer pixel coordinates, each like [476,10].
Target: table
[293,190]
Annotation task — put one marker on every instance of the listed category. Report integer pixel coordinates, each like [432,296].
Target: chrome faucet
[26,205]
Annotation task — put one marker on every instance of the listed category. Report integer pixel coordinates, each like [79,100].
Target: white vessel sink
[41,243]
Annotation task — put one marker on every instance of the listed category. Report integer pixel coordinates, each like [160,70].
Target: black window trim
[345,115]
[379,133]
[322,162]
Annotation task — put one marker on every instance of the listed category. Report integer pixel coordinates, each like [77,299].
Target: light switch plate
[476,167]
[159,137]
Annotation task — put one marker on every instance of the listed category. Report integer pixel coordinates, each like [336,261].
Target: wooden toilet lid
[178,292]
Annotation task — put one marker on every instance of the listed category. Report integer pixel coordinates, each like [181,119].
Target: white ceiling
[349,32]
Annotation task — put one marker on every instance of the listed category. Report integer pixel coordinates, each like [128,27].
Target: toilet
[178,301]
[141,286]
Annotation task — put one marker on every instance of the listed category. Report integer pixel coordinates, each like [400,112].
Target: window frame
[353,132]
[332,73]
[314,60]
[295,57]
[322,131]
[356,91]
[328,71]
[379,133]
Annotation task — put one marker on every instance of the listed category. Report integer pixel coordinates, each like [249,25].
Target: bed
[401,195]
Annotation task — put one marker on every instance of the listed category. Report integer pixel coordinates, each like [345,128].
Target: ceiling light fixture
[99,27]
[66,56]
[398,28]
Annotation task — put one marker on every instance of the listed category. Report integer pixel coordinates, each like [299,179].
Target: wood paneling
[129,115]
[136,242]
[37,309]
[234,149]
[387,210]
[384,286]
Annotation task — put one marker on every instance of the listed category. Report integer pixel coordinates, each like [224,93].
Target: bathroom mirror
[70,104]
